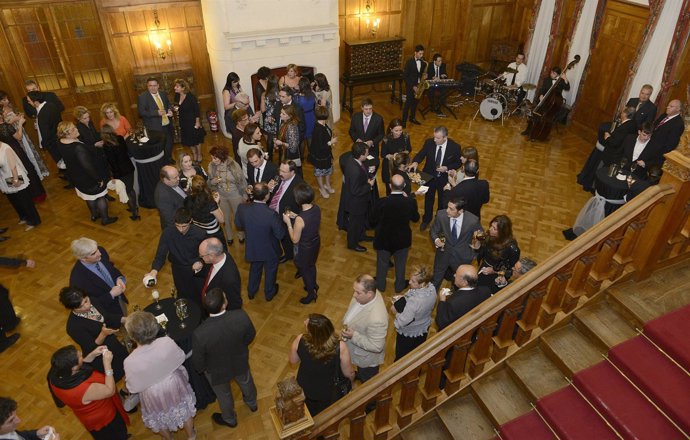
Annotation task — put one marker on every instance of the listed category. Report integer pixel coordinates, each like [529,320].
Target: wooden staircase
[549,363]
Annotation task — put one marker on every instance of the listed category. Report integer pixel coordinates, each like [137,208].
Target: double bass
[544,114]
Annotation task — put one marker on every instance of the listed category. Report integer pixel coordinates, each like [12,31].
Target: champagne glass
[155,294]
[173,292]
[633,167]
[181,311]
[164,324]
[501,277]
[442,239]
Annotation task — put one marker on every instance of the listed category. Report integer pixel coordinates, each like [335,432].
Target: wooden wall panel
[620,36]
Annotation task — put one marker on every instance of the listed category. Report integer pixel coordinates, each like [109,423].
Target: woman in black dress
[87,132]
[270,110]
[321,151]
[87,171]
[204,208]
[91,328]
[190,122]
[13,136]
[395,141]
[121,167]
[188,169]
[497,253]
[305,235]
[398,165]
[318,352]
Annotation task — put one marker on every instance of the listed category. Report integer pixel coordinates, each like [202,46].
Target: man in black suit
[168,196]
[464,297]
[220,349]
[282,198]
[258,168]
[264,230]
[441,154]
[645,110]
[51,97]
[367,126]
[640,152]
[9,422]
[473,190]
[94,273]
[179,243]
[356,192]
[452,234]
[285,97]
[48,117]
[393,234]
[413,73]
[436,71]
[218,270]
[668,128]
[156,112]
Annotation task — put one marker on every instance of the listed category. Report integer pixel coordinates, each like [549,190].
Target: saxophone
[423,85]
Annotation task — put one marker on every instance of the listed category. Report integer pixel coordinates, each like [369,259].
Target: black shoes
[218,418]
[414,121]
[308,299]
[367,238]
[524,133]
[424,226]
[8,342]
[359,249]
[569,234]
[4,239]
[109,220]
[135,217]
[274,294]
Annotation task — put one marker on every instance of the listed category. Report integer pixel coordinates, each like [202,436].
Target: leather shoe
[7,343]
[3,230]
[4,239]
[254,408]
[414,121]
[367,238]
[359,249]
[284,259]
[569,234]
[218,418]
[251,295]
[524,133]
[109,220]
[274,294]
[298,274]
[424,226]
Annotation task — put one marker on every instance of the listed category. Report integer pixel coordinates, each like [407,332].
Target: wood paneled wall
[609,65]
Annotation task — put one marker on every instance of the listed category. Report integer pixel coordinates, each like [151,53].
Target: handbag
[341,384]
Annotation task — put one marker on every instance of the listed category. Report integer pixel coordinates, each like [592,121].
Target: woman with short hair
[413,312]
[191,131]
[225,177]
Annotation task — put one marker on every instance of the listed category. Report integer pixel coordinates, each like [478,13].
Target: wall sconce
[161,51]
[373,23]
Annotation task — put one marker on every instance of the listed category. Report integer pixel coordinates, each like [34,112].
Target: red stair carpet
[571,417]
[670,332]
[529,426]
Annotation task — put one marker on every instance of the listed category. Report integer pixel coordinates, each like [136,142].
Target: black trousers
[115,430]
[355,229]
[8,319]
[26,210]
[410,106]
[405,344]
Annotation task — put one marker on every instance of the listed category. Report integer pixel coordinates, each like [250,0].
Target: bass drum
[492,106]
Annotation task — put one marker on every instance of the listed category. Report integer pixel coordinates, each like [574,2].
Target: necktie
[439,155]
[206,281]
[513,81]
[366,124]
[437,75]
[276,198]
[663,121]
[105,276]
[257,175]
[454,228]
[159,103]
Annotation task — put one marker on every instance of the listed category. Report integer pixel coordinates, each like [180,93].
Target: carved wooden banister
[605,251]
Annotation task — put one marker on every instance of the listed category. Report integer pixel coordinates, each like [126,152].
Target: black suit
[474,191]
[264,230]
[645,113]
[167,201]
[451,160]
[431,71]
[614,144]
[97,289]
[651,154]
[666,136]
[412,75]
[287,201]
[611,151]
[148,112]
[48,120]
[457,248]
[375,131]
[270,171]
[393,236]
[227,279]
[182,250]
[459,304]
[356,192]
[51,97]
[431,74]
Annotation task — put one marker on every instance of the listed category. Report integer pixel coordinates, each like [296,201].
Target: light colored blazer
[368,344]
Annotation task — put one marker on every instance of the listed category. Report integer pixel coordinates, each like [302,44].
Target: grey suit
[221,350]
[167,201]
[456,251]
[148,111]
[368,344]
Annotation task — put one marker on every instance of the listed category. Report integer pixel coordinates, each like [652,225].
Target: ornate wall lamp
[161,50]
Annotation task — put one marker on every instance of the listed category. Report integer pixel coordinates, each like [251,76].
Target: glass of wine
[501,280]
[442,239]
[181,311]
[173,292]
[155,294]
[633,167]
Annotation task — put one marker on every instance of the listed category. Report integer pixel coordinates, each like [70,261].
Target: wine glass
[181,311]
[501,280]
[173,292]
[442,239]
[633,167]
[155,294]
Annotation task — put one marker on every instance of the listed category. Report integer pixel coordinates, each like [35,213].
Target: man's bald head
[673,108]
[397,183]
[466,276]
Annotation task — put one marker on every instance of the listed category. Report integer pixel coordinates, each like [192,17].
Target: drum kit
[500,99]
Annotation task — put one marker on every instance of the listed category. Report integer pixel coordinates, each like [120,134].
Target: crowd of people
[258,193]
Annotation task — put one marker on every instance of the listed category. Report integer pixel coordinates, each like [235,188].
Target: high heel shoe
[324,193]
[330,190]
[310,298]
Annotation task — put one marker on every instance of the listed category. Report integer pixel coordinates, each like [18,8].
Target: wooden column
[602,269]
[504,336]
[357,424]
[530,315]
[431,389]
[382,416]
[624,254]
[481,348]
[554,298]
[575,288]
[456,371]
[406,407]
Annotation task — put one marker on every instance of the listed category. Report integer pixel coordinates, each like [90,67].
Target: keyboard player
[436,71]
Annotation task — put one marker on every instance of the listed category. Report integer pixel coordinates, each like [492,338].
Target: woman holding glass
[321,151]
[413,311]
[288,136]
[497,253]
[225,177]
[395,141]
[188,169]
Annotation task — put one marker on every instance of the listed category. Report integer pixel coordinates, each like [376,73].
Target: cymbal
[528,86]
[510,70]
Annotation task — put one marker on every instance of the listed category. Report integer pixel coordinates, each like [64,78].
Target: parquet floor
[534,183]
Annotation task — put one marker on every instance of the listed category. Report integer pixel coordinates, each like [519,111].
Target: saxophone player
[436,71]
[414,73]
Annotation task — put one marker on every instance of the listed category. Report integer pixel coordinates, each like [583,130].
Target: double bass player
[548,103]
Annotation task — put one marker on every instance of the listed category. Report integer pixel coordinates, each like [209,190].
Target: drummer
[434,72]
[515,75]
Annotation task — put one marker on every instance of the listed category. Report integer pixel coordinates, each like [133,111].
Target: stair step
[603,322]
[536,372]
[670,332]
[501,396]
[527,427]
[571,417]
[465,420]
[660,379]
[622,405]
[570,349]
[431,429]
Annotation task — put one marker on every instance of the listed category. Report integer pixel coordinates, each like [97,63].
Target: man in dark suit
[48,117]
[367,126]
[640,152]
[452,234]
[264,230]
[356,191]
[282,198]
[168,196]
[436,71]
[51,97]
[473,190]
[218,270]
[285,97]
[179,243]
[441,154]
[464,297]
[95,274]
[9,422]
[413,73]
[220,349]
[645,110]
[258,168]
[668,128]
[156,112]
[393,234]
